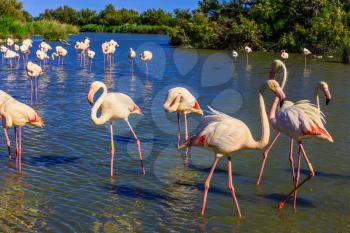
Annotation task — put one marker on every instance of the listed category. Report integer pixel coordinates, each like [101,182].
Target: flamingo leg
[146,68]
[207,182]
[178,131]
[231,187]
[17,151]
[186,130]
[266,153]
[138,146]
[8,142]
[312,174]
[291,161]
[112,147]
[20,148]
[36,89]
[297,180]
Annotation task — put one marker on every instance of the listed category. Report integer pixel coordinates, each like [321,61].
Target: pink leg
[112,147]
[297,180]
[231,187]
[20,149]
[138,147]
[291,161]
[266,153]
[178,131]
[312,174]
[8,142]
[207,183]
[186,130]
[146,69]
[58,61]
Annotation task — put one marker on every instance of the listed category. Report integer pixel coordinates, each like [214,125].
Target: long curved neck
[265,127]
[284,80]
[103,118]
[273,110]
[317,99]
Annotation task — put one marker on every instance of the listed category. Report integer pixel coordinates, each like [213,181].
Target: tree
[155,17]
[14,9]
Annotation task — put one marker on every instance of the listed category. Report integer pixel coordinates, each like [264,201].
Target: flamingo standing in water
[11,55]
[45,47]
[132,55]
[91,55]
[225,135]
[10,42]
[234,55]
[306,53]
[60,53]
[114,106]
[82,47]
[16,114]
[42,56]
[33,71]
[3,98]
[25,52]
[180,100]
[284,55]
[146,56]
[247,50]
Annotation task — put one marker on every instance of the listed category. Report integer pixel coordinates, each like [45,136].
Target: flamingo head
[274,86]
[93,89]
[197,109]
[276,66]
[324,87]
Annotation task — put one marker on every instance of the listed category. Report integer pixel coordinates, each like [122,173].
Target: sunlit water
[65,185]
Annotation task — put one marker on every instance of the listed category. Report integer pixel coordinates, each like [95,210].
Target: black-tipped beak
[327,101]
[281,103]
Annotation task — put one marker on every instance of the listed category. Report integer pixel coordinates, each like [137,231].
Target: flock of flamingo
[220,133]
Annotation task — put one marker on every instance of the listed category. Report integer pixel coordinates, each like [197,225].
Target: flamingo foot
[281,205]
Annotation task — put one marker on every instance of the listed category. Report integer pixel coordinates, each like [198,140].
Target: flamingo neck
[265,127]
[103,118]
[317,99]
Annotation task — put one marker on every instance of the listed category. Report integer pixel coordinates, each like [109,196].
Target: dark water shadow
[300,201]
[324,174]
[207,169]
[124,139]
[47,161]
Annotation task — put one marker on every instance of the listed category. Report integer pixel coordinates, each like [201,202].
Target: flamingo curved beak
[328,96]
[280,94]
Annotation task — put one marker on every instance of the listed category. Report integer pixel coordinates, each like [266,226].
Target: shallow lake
[65,184]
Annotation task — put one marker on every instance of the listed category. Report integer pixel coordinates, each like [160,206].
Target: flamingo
[275,67]
[10,55]
[25,51]
[16,47]
[114,106]
[28,42]
[306,53]
[3,98]
[82,47]
[247,50]
[42,56]
[45,47]
[33,71]
[60,53]
[132,55]
[16,114]
[3,50]
[284,55]
[146,56]
[91,55]
[234,55]
[225,135]
[180,100]
[10,42]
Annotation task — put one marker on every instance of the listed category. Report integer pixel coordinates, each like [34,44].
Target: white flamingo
[146,56]
[234,55]
[132,55]
[114,106]
[180,100]
[247,50]
[60,53]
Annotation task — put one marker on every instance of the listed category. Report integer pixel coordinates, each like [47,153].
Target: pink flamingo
[60,53]
[114,106]
[132,55]
[146,56]
[180,100]
[3,98]
[225,135]
[284,55]
[16,114]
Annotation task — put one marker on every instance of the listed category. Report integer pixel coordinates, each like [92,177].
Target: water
[65,185]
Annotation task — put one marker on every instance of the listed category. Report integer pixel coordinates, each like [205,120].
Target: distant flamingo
[284,55]
[3,98]
[91,55]
[16,114]
[180,100]
[60,53]
[25,52]
[10,42]
[42,56]
[306,53]
[146,56]
[247,50]
[45,47]
[225,135]
[11,55]
[3,50]
[114,106]
[275,67]
[132,55]
[16,48]
[234,55]
[82,47]
[28,42]
[33,71]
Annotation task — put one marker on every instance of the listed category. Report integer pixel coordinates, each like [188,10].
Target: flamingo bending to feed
[60,53]
[3,98]
[16,114]
[225,135]
[275,67]
[180,100]
[247,50]
[284,55]
[146,56]
[114,106]
[132,55]
[234,55]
